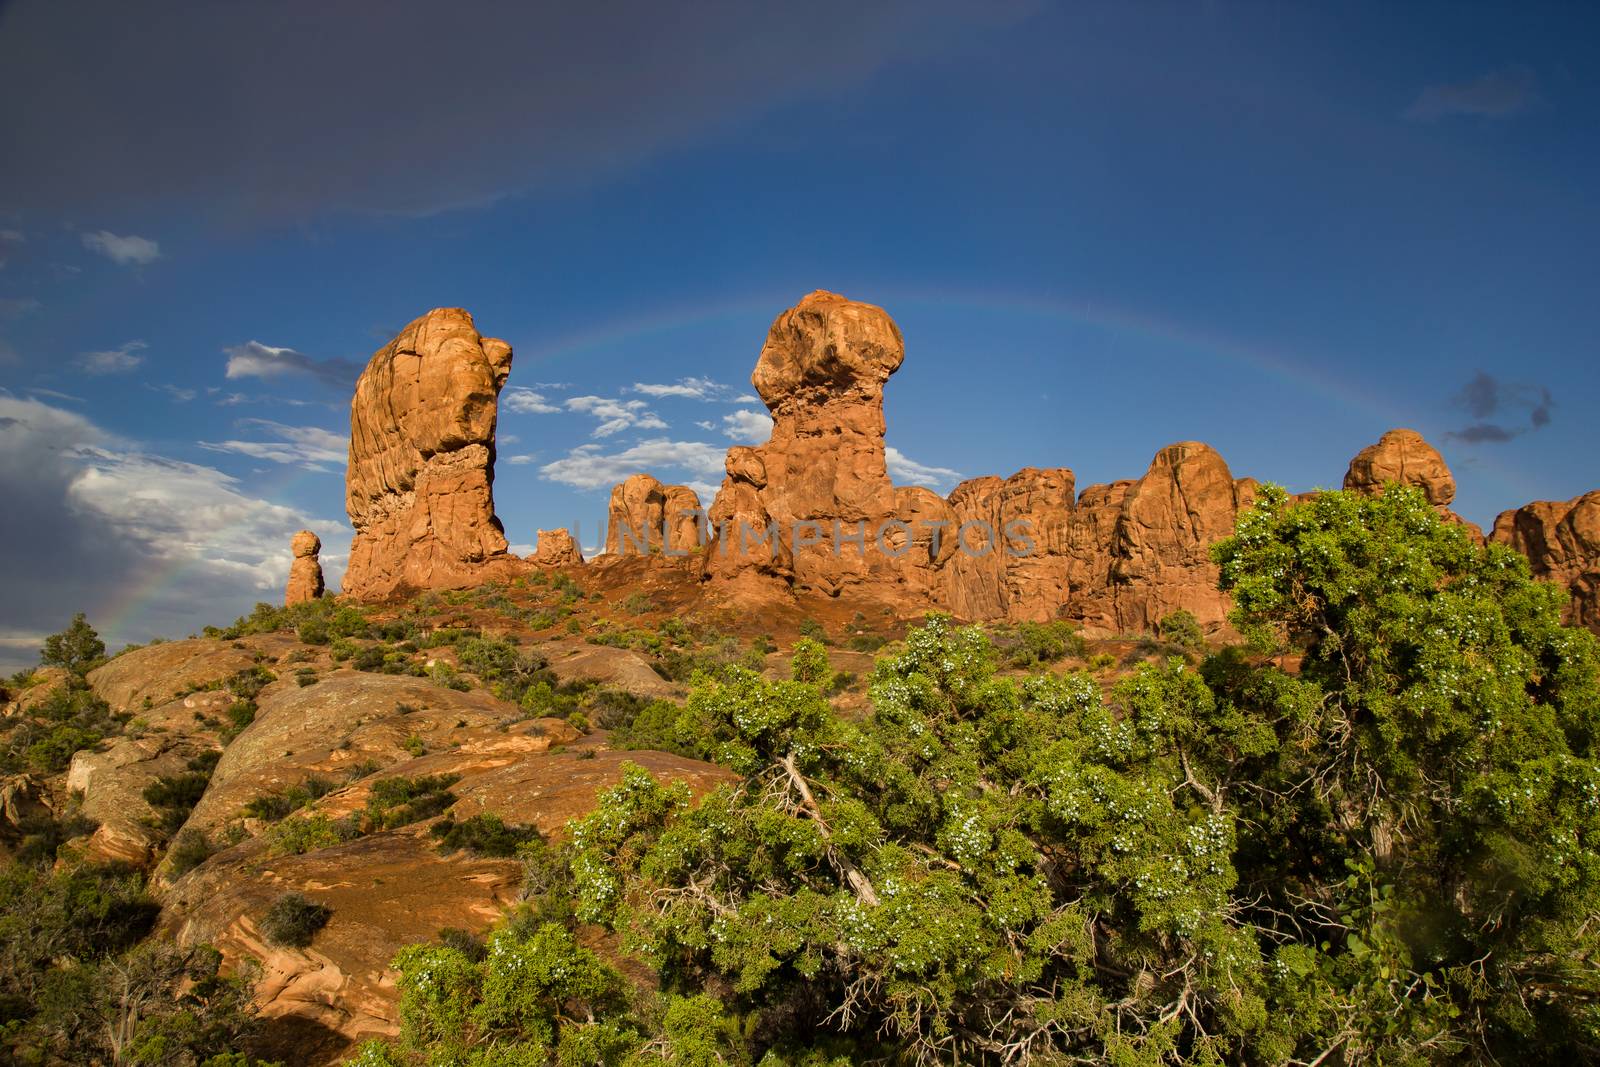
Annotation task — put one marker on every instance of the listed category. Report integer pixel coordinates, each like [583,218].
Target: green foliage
[293,920]
[1034,643]
[76,986]
[77,649]
[1181,628]
[44,740]
[174,796]
[273,806]
[813,629]
[810,663]
[308,833]
[400,801]
[189,850]
[482,835]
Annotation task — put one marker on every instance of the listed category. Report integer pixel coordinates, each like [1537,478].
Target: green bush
[482,835]
[810,663]
[69,720]
[399,801]
[189,850]
[1181,628]
[293,920]
[308,833]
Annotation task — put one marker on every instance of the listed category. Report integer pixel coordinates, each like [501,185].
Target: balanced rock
[305,573]
[821,374]
[1562,542]
[418,488]
[645,516]
[1403,457]
[557,548]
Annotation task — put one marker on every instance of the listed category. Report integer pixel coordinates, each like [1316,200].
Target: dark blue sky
[1102,228]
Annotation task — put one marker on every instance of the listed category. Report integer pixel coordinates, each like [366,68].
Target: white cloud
[144,544]
[123,250]
[587,467]
[749,427]
[310,447]
[524,401]
[522,460]
[119,360]
[178,393]
[616,415]
[905,470]
[256,360]
[745,398]
[685,388]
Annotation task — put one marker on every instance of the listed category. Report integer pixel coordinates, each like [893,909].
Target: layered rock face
[1141,550]
[556,548]
[418,488]
[1008,554]
[1562,542]
[305,573]
[821,374]
[645,516]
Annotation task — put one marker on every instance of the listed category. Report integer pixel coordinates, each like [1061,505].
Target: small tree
[77,649]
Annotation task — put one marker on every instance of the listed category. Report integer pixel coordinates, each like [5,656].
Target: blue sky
[1279,229]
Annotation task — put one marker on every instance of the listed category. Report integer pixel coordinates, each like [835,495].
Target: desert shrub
[414,745]
[482,835]
[174,796]
[308,833]
[1181,628]
[188,850]
[275,805]
[43,741]
[614,709]
[305,676]
[293,920]
[1034,643]
[465,942]
[77,649]
[866,642]
[400,801]
[810,663]
[814,630]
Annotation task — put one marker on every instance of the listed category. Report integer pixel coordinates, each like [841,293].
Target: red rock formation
[1009,545]
[821,374]
[556,549]
[1158,556]
[418,488]
[1403,457]
[643,512]
[1562,542]
[305,573]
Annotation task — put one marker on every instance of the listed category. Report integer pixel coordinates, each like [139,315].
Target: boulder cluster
[813,510]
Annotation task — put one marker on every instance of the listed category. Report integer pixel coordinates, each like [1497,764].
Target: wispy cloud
[589,467]
[686,389]
[256,360]
[131,249]
[1501,411]
[1497,95]
[176,392]
[905,470]
[119,360]
[309,447]
[616,415]
[525,401]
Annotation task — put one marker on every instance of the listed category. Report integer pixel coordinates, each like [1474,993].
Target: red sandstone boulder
[1562,542]
[418,487]
[305,573]
[556,549]
[645,516]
